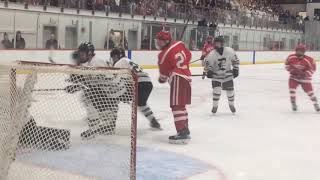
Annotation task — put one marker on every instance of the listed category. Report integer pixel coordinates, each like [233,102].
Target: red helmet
[301,47]
[209,38]
[164,35]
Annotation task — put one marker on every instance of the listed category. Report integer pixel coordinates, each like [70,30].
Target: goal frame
[13,73]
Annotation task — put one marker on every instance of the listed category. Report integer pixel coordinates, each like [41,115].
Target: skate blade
[180,141]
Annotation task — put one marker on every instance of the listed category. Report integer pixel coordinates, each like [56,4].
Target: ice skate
[154,124]
[317,107]
[232,109]
[182,137]
[294,107]
[214,110]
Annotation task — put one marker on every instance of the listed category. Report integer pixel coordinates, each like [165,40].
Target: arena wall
[148,59]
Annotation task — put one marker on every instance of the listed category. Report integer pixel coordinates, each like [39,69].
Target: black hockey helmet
[87,47]
[115,52]
[122,52]
[219,39]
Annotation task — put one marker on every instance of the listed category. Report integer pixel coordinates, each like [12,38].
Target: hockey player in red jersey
[173,62]
[207,48]
[301,68]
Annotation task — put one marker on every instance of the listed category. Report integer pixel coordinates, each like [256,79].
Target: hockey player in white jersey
[145,86]
[100,93]
[85,56]
[223,67]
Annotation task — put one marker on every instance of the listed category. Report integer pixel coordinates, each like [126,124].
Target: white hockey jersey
[96,62]
[128,64]
[222,65]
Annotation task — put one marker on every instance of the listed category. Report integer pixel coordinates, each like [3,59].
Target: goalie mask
[84,54]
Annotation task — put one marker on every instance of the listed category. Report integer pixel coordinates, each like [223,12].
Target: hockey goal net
[63,122]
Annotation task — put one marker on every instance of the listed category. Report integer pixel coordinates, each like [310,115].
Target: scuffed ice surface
[109,162]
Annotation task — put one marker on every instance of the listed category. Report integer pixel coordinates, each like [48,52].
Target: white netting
[62,122]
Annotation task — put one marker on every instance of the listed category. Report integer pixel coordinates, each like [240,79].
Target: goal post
[62,120]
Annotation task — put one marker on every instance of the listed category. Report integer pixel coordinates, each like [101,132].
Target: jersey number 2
[181,57]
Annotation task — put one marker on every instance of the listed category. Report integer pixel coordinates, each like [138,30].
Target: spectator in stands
[6,43]
[100,5]
[90,4]
[20,43]
[145,43]
[52,43]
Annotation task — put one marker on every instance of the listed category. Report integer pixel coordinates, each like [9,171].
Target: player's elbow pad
[235,73]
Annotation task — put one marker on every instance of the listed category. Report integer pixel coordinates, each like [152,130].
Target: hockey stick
[39,90]
[64,89]
[197,75]
[195,61]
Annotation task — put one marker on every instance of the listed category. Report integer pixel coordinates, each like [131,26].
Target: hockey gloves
[204,74]
[210,74]
[162,79]
[235,73]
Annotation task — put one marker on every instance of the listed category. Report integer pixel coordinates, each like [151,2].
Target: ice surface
[106,161]
[263,141]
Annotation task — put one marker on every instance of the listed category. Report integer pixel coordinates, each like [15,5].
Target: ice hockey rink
[264,140]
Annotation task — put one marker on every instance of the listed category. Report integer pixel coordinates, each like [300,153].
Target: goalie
[119,60]
[101,94]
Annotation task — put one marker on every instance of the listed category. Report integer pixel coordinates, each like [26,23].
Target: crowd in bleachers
[208,13]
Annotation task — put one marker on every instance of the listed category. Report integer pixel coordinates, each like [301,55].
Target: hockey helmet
[87,47]
[301,47]
[219,39]
[209,39]
[122,52]
[164,35]
[115,52]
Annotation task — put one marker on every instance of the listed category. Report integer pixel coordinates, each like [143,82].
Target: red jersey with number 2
[175,60]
